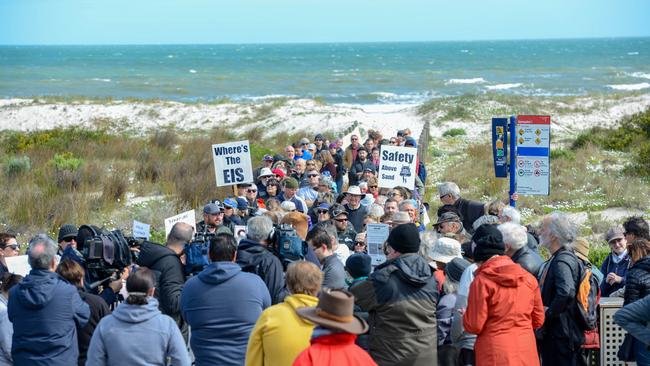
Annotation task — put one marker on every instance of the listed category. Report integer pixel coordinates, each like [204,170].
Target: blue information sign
[500,146]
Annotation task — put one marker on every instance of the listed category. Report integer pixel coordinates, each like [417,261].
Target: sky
[56,22]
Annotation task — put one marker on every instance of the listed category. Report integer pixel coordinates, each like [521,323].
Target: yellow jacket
[280,334]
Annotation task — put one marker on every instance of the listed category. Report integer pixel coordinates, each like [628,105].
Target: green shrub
[18,165]
[66,161]
[453,132]
[597,255]
[562,154]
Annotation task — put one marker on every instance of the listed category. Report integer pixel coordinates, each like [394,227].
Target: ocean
[365,73]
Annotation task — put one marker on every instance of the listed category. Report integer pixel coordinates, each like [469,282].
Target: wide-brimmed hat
[444,250]
[354,190]
[335,310]
[581,248]
[266,172]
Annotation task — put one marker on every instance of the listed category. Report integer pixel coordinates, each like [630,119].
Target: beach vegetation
[66,161]
[453,132]
[17,165]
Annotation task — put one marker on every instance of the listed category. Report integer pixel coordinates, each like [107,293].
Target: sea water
[334,72]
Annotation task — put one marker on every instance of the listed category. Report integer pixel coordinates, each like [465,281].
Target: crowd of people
[470,288]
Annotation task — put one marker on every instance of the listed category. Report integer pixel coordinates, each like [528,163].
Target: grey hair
[514,235]
[485,219]
[450,286]
[180,234]
[511,213]
[563,229]
[427,239]
[41,259]
[376,210]
[411,202]
[259,228]
[451,188]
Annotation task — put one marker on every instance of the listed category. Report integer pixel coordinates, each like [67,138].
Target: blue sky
[289,21]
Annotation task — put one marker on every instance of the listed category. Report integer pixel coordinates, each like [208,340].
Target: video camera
[287,245]
[106,252]
[196,253]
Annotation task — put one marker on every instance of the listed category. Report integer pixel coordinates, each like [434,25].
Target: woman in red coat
[332,343]
[504,305]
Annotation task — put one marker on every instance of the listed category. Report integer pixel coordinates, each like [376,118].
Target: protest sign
[376,235]
[186,217]
[397,166]
[18,265]
[232,163]
[141,230]
[240,232]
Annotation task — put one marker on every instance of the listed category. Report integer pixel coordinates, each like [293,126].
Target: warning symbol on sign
[520,172]
[521,140]
[520,163]
[538,141]
[538,132]
[537,172]
[537,163]
[521,132]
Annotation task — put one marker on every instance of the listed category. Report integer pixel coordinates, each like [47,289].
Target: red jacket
[503,308]
[334,350]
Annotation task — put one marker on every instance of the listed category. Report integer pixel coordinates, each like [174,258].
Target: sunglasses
[393,194]
[341,220]
[354,139]
[13,247]
[251,190]
[359,243]
[373,186]
[322,212]
[312,175]
[68,240]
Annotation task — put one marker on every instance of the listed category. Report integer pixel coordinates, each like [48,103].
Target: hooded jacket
[158,338]
[221,304]
[98,310]
[336,349]
[637,281]
[255,258]
[400,297]
[39,337]
[280,334]
[170,278]
[503,308]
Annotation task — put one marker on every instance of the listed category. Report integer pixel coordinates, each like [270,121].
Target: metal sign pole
[513,159]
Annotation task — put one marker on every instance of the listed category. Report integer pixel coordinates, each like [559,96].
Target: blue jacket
[137,335]
[46,311]
[619,269]
[634,319]
[221,304]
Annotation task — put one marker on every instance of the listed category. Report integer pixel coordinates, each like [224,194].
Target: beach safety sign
[533,137]
[232,163]
[397,166]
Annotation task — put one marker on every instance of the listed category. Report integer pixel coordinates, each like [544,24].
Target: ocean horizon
[361,73]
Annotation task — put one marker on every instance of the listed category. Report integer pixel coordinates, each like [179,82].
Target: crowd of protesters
[470,288]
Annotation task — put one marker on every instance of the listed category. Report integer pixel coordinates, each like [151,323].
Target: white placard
[141,230]
[232,163]
[18,265]
[240,232]
[186,217]
[376,235]
[397,166]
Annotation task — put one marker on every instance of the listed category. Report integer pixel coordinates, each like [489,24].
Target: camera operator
[254,257]
[212,220]
[111,287]
[165,263]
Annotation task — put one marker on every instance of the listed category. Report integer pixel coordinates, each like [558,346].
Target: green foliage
[58,139]
[66,161]
[597,255]
[562,154]
[453,132]
[18,165]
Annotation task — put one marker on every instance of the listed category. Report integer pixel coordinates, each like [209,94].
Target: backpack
[289,246]
[587,299]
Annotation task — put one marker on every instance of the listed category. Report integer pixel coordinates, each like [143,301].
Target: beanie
[454,269]
[358,265]
[489,242]
[404,238]
[67,231]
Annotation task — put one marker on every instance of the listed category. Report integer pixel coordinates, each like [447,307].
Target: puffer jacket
[637,281]
[400,297]
[528,260]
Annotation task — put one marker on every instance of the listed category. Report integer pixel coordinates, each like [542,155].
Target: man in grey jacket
[322,239]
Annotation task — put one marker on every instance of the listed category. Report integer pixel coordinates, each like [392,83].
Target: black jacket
[98,310]
[469,211]
[253,257]
[400,297]
[637,281]
[170,278]
[559,283]
[528,259]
